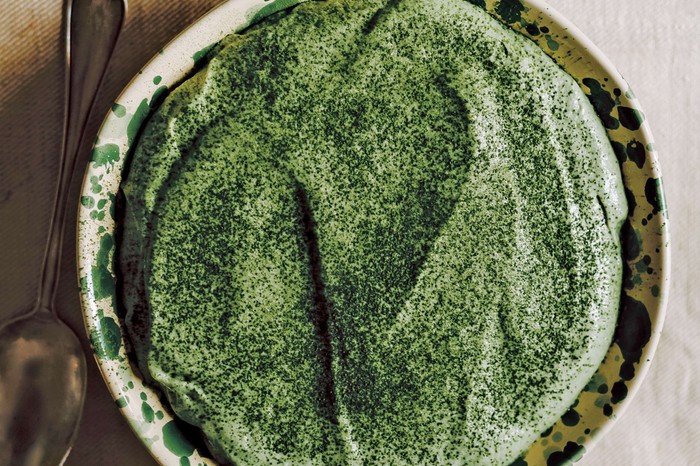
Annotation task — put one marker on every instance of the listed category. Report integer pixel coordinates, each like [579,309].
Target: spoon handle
[92,28]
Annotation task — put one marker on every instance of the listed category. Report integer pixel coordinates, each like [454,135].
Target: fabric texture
[655,46]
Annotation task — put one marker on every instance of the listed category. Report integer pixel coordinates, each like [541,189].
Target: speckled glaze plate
[645,235]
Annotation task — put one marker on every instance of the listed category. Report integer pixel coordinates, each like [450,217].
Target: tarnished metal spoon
[42,364]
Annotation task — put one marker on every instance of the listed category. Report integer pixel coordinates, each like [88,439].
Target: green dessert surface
[373,232]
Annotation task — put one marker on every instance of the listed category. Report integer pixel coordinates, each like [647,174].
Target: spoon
[42,363]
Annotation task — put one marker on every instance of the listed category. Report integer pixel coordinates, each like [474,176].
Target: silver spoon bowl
[42,363]
[43,386]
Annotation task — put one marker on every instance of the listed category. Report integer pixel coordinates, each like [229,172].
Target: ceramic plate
[645,235]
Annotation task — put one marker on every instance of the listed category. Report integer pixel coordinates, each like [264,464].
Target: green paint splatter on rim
[119,110]
[655,291]
[102,280]
[564,457]
[175,441]
[87,202]
[571,418]
[84,284]
[479,3]
[274,7]
[106,338]
[158,97]
[551,43]
[510,11]
[200,55]
[112,205]
[147,412]
[95,185]
[630,118]
[136,120]
[106,154]
[602,101]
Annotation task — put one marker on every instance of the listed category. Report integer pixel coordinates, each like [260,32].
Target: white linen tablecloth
[656,46]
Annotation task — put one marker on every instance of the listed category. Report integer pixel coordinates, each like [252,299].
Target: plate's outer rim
[658,222]
[95,245]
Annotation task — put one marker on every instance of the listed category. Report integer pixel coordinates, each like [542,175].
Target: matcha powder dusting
[373,232]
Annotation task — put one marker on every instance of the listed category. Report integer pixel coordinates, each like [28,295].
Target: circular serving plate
[645,235]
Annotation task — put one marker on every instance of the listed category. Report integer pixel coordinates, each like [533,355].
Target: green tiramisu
[373,232]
